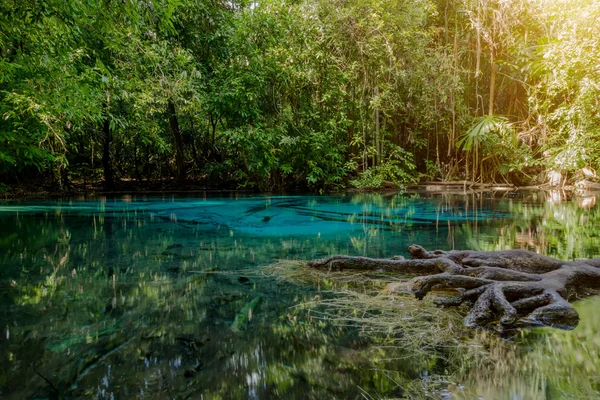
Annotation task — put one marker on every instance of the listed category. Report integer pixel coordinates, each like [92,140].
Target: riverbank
[42,190]
[468,186]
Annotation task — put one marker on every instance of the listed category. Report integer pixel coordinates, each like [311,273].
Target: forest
[313,95]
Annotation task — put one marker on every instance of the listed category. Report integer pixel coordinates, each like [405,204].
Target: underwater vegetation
[180,297]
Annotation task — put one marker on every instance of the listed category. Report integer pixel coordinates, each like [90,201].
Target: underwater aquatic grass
[361,301]
[404,328]
[399,327]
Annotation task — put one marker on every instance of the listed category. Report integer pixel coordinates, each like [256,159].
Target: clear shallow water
[111,297]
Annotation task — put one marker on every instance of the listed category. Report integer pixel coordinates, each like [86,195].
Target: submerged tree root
[505,289]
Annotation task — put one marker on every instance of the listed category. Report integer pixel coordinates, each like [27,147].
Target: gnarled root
[505,289]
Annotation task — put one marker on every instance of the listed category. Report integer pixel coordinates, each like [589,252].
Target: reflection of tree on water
[140,300]
[144,306]
[565,230]
[543,364]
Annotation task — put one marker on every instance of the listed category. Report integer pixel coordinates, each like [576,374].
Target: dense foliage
[298,94]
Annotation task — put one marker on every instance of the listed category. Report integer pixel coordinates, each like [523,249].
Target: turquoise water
[138,296]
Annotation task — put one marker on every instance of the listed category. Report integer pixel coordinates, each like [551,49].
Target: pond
[174,297]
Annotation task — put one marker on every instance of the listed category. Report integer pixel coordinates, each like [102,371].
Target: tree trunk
[478,50]
[213,124]
[492,82]
[109,178]
[179,160]
[378,145]
[451,142]
[505,289]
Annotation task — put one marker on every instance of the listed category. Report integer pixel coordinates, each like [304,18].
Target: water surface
[138,296]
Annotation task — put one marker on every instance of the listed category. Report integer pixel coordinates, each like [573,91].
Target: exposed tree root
[505,289]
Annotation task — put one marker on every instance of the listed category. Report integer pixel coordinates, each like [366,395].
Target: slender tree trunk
[109,178]
[178,142]
[478,59]
[135,163]
[492,82]
[363,118]
[213,125]
[478,51]
[452,99]
[378,144]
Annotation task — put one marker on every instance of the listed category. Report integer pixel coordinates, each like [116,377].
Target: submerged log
[505,289]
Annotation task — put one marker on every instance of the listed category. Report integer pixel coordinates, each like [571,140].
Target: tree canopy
[298,94]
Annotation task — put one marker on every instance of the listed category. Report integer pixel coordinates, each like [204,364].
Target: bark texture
[176,132]
[109,176]
[505,289]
